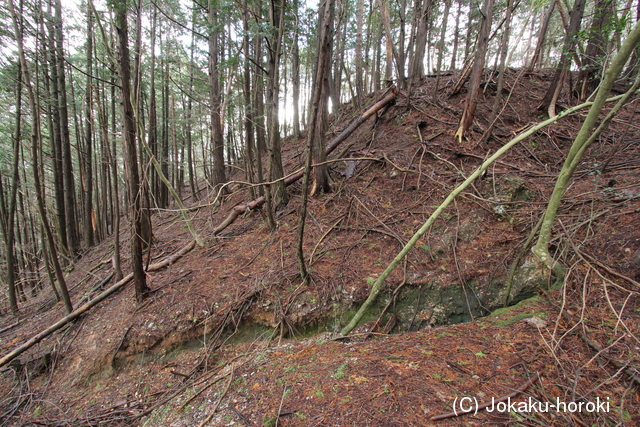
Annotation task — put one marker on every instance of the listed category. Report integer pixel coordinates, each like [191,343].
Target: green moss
[507,316]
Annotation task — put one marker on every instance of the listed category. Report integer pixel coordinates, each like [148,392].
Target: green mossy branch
[378,286]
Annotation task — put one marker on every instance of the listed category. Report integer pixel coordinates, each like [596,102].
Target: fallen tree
[81,310]
[235,212]
[238,210]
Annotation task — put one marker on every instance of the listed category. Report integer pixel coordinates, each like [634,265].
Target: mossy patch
[525,309]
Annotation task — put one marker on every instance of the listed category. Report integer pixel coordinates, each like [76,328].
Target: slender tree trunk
[358,58]
[585,137]
[596,51]
[443,31]
[318,119]
[193,179]
[258,108]
[504,49]
[295,70]
[152,133]
[392,52]
[276,193]
[134,187]
[553,93]
[217,134]
[536,60]
[456,38]
[67,163]
[55,132]
[35,143]
[87,183]
[8,211]
[249,106]
[417,65]
[316,136]
[476,73]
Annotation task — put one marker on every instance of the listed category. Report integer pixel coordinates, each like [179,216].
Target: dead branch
[238,210]
[81,310]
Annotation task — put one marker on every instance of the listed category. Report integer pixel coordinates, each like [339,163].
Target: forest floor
[231,336]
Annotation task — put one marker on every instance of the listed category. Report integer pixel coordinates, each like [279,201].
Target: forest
[154,143]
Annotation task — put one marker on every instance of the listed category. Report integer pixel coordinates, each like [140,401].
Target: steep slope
[205,333]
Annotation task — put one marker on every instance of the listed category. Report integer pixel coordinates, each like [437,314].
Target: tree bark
[276,192]
[217,135]
[417,60]
[317,124]
[35,143]
[595,54]
[476,73]
[67,163]
[87,182]
[443,31]
[549,101]
[536,60]
[8,210]
[134,187]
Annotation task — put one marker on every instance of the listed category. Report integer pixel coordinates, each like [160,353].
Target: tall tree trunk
[594,56]
[316,136]
[318,119]
[217,135]
[8,210]
[358,58]
[417,64]
[138,109]
[504,49]
[116,193]
[443,31]
[134,187]
[87,182]
[553,93]
[152,133]
[456,38]
[476,73]
[67,162]
[295,70]
[53,122]
[35,144]
[258,108]
[276,193]
[249,106]
[536,60]
[392,52]
[193,179]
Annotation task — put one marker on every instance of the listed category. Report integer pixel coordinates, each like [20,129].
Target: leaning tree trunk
[586,136]
[476,73]
[542,34]
[553,93]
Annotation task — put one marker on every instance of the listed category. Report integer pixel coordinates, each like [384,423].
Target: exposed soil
[231,335]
